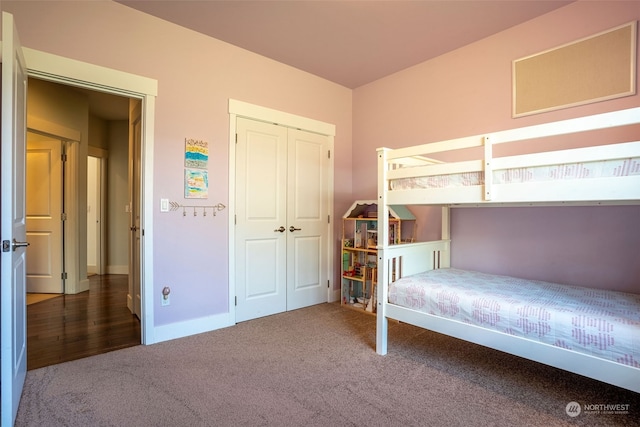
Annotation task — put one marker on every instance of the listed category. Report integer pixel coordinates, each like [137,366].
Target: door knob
[292,229]
[281,229]
[15,244]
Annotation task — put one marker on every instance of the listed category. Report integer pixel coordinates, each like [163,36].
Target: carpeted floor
[314,367]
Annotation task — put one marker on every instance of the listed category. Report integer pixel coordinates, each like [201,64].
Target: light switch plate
[164,205]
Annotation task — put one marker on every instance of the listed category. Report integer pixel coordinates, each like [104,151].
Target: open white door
[13,322]
[135,225]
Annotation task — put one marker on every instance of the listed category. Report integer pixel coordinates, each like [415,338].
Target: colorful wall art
[196,153]
[196,184]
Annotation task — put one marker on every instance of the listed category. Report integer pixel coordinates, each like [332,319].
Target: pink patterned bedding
[604,324]
[601,169]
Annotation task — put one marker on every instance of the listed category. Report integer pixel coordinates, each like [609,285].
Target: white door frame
[70,72]
[255,112]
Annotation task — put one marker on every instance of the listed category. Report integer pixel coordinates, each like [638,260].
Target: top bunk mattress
[585,170]
[605,324]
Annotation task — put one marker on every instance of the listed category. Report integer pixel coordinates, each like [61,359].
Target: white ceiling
[349,42]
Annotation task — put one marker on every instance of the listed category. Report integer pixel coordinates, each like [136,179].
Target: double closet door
[282,219]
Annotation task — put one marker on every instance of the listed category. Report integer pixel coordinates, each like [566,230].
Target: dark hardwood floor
[71,327]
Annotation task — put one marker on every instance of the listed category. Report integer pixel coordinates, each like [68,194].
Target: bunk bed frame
[396,261]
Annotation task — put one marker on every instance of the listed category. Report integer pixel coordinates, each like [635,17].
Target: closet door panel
[307,219]
[261,200]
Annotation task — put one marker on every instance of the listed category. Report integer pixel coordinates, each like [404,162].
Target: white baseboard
[192,327]
[76,288]
[117,269]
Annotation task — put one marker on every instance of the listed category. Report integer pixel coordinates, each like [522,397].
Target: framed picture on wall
[196,153]
[592,69]
[196,184]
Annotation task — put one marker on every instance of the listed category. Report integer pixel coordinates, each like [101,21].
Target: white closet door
[307,220]
[281,219]
[261,209]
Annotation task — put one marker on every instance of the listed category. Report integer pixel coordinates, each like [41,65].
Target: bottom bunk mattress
[604,324]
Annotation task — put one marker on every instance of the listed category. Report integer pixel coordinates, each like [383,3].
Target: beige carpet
[314,367]
[33,298]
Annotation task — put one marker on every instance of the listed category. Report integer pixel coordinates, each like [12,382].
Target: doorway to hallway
[104,120]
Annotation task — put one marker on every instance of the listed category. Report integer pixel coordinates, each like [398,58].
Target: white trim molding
[71,72]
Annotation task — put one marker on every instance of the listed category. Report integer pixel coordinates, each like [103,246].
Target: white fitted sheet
[605,324]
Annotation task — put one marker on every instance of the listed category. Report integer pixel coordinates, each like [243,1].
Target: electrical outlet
[166,291]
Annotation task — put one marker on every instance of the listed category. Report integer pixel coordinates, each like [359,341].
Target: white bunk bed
[603,174]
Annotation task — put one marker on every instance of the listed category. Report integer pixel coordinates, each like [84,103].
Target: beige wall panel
[589,70]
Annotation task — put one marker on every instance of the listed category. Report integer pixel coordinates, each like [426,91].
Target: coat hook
[173,206]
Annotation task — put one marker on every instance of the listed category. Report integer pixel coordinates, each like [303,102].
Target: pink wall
[196,77]
[467,92]
[464,92]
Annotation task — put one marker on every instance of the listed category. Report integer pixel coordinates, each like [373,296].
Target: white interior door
[307,219]
[13,322]
[261,209]
[135,185]
[44,210]
[281,219]
[94,219]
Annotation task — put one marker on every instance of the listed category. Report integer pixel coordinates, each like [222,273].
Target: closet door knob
[292,229]
[281,229]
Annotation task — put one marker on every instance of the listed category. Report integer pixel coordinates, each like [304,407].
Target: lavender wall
[196,77]
[464,92]
[468,92]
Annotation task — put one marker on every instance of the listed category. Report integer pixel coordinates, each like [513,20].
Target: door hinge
[63,216]
[328,154]
[328,284]
[63,157]
[328,219]
[236,138]
[63,276]
[236,300]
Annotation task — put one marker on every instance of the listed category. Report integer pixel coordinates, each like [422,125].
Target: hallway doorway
[92,285]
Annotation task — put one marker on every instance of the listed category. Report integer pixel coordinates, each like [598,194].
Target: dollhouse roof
[369,209]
